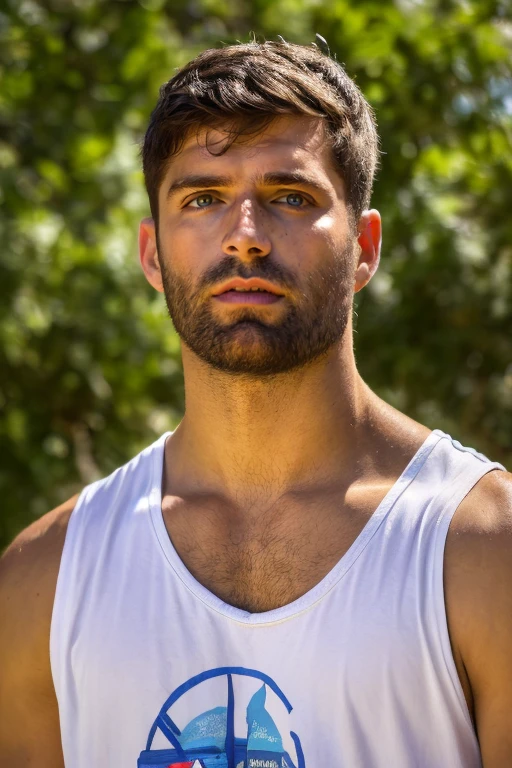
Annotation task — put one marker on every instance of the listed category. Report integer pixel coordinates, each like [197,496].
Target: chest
[354,667]
[261,559]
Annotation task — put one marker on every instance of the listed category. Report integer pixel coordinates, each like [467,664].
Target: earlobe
[148,254]
[362,276]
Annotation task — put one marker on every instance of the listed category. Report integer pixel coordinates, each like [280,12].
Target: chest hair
[261,560]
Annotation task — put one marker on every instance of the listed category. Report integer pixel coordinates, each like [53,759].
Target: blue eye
[295,200]
[292,198]
[203,201]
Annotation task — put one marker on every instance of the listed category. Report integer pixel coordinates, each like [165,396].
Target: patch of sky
[91,40]
[500,89]
[44,233]
[409,5]
[464,104]
[32,13]
[116,247]
[381,288]
[471,244]
[124,156]
[135,198]
[161,421]
[446,208]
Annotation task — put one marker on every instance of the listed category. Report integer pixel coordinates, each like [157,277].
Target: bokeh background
[89,363]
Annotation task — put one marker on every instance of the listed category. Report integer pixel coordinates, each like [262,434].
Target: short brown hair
[243,87]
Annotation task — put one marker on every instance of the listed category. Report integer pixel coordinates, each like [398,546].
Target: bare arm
[478,585]
[29,719]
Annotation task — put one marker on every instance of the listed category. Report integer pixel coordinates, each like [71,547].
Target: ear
[148,254]
[369,239]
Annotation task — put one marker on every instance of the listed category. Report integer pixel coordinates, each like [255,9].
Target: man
[298,575]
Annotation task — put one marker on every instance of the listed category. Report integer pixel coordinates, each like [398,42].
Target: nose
[246,236]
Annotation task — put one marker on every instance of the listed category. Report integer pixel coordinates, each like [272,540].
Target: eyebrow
[197,182]
[289,178]
[271,179]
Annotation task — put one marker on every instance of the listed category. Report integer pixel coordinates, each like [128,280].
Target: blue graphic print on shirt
[209,739]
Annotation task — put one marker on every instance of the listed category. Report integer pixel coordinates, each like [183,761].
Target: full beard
[247,345]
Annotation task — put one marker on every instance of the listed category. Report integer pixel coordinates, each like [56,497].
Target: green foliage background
[89,363]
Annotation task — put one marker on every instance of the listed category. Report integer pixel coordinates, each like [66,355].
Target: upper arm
[479,602]
[29,720]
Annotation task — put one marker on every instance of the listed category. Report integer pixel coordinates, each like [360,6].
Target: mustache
[231,267]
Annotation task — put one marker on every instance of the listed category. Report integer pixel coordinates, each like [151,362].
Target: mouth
[248,297]
[254,292]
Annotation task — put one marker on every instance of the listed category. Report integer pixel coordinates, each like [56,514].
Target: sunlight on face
[272,209]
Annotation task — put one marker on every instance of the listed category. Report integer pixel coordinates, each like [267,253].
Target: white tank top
[152,670]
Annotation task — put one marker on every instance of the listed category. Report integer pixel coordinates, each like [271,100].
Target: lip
[253,282]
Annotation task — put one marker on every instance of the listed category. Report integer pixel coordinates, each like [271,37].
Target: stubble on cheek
[308,327]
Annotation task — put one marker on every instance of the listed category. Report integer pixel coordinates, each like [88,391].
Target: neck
[246,438]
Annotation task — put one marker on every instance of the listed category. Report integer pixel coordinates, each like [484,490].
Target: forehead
[288,142]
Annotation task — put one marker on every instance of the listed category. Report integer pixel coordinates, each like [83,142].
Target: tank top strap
[462,468]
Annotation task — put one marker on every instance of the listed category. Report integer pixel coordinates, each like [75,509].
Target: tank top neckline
[316,593]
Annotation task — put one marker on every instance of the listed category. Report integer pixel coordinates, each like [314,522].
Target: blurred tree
[89,362]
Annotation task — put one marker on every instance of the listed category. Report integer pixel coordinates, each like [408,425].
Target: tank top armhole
[448,507]
[63,588]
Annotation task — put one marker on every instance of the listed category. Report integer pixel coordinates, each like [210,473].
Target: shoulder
[28,577]
[39,545]
[478,579]
[482,525]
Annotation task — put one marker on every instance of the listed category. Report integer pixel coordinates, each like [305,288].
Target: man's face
[272,209]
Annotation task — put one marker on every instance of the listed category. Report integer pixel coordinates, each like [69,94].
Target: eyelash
[204,194]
